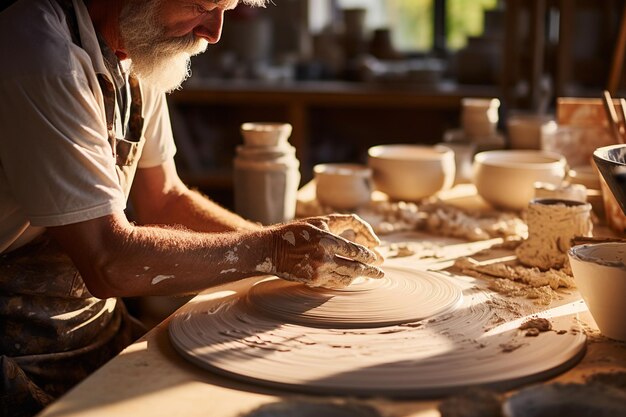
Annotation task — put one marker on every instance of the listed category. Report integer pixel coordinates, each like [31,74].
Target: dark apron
[54,333]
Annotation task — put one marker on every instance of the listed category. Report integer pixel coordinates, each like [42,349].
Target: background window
[413,21]
[465,18]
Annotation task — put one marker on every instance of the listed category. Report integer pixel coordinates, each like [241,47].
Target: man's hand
[350,226]
[312,252]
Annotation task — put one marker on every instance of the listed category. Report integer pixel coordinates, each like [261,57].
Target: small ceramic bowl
[343,186]
[265,134]
[506,179]
[611,162]
[479,117]
[411,172]
[600,273]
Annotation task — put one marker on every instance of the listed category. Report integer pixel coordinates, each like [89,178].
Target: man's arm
[160,197]
[116,258]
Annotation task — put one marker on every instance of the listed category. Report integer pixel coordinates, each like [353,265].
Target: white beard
[157,60]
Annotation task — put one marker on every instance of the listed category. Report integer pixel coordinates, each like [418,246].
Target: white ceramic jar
[479,117]
[524,130]
[266,174]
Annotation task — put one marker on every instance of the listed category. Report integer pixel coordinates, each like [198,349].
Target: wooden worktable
[150,379]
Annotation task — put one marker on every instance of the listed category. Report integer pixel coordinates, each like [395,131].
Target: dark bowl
[611,162]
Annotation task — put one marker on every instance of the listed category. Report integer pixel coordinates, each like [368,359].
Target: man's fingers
[337,245]
[354,269]
[379,258]
[363,232]
[318,222]
[350,226]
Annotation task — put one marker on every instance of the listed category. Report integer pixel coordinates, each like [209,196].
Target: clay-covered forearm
[116,258]
[167,261]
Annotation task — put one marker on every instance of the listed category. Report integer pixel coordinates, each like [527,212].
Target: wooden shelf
[340,113]
[331,93]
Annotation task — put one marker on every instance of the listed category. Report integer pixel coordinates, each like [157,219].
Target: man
[84,125]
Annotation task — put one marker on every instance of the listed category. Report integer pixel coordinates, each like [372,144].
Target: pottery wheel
[402,296]
[261,335]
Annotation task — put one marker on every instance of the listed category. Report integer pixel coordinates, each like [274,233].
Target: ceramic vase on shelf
[381,45]
[354,41]
[267,174]
[479,117]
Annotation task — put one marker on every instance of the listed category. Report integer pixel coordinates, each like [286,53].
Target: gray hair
[256,3]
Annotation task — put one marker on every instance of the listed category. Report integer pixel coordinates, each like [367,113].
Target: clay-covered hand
[307,251]
[350,226]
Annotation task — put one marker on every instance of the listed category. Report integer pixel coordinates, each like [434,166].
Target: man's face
[160,36]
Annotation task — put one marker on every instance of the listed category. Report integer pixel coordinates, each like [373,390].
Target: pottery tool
[622,106]
[306,346]
[611,115]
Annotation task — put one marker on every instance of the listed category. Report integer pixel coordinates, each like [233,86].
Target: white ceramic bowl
[506,179]
[411,172]
[343,186]
[600,274]
[265,134]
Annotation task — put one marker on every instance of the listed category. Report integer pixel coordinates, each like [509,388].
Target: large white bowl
[600,274]
[411,172]
[506,179]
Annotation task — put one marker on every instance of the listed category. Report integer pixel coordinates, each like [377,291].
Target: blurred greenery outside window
[413,21]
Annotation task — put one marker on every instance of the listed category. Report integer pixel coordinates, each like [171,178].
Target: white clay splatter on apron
[146,268]
[160,278]
[305,235]
[226,271]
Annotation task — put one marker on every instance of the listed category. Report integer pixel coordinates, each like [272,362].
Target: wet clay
[431,215]
[368,302]
[290,339]
[514,280]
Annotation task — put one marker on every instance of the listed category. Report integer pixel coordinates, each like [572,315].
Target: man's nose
[210,28]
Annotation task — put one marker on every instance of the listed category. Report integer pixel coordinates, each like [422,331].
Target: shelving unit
[332,121]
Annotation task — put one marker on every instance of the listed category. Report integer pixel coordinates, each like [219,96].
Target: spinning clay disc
[413,334]
[401,296]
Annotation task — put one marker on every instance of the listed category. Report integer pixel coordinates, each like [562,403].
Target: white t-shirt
[56,164]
